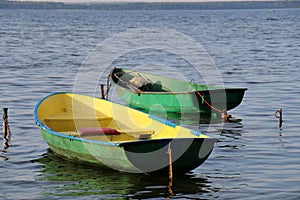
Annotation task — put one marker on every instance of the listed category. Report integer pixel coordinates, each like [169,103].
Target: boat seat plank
[138,134]
[71,116]
[77,134]
[71,133]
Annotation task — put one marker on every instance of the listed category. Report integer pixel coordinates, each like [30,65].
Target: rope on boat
[223,113]
[130,86]
[145,77]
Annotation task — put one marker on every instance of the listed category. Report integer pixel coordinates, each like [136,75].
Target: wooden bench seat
[138,134]
[71,116]
[68,121]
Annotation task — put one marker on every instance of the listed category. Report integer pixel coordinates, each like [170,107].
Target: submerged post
[5,128]
[278,114]
[102,95]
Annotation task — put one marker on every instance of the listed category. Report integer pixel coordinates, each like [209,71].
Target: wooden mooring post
[278,114]
[171,193]
[102,95]
[6,134]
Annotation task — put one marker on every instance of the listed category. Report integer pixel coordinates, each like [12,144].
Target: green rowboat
[96,131]
[149,92]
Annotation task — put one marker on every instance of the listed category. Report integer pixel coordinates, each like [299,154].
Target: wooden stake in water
[102,95]
[170,172]
[278,114]
[5,129]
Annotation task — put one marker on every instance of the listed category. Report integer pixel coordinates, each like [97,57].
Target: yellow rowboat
[87,129]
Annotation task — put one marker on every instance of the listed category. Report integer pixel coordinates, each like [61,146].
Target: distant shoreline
[153,5]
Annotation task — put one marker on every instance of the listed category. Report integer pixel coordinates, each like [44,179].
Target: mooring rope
[221,112]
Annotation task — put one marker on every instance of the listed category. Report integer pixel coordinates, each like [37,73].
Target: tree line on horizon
[5,4]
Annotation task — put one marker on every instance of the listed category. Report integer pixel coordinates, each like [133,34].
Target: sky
[86,1]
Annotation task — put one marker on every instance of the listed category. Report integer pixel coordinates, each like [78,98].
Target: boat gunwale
[175,93]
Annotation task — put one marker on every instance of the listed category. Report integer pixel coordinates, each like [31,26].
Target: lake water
[42,51]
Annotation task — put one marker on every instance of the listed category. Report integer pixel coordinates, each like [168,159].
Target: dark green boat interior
[152,83]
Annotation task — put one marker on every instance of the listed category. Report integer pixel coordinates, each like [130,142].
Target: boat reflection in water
[66,179]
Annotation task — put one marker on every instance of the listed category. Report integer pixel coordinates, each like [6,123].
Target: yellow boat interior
[97,119]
